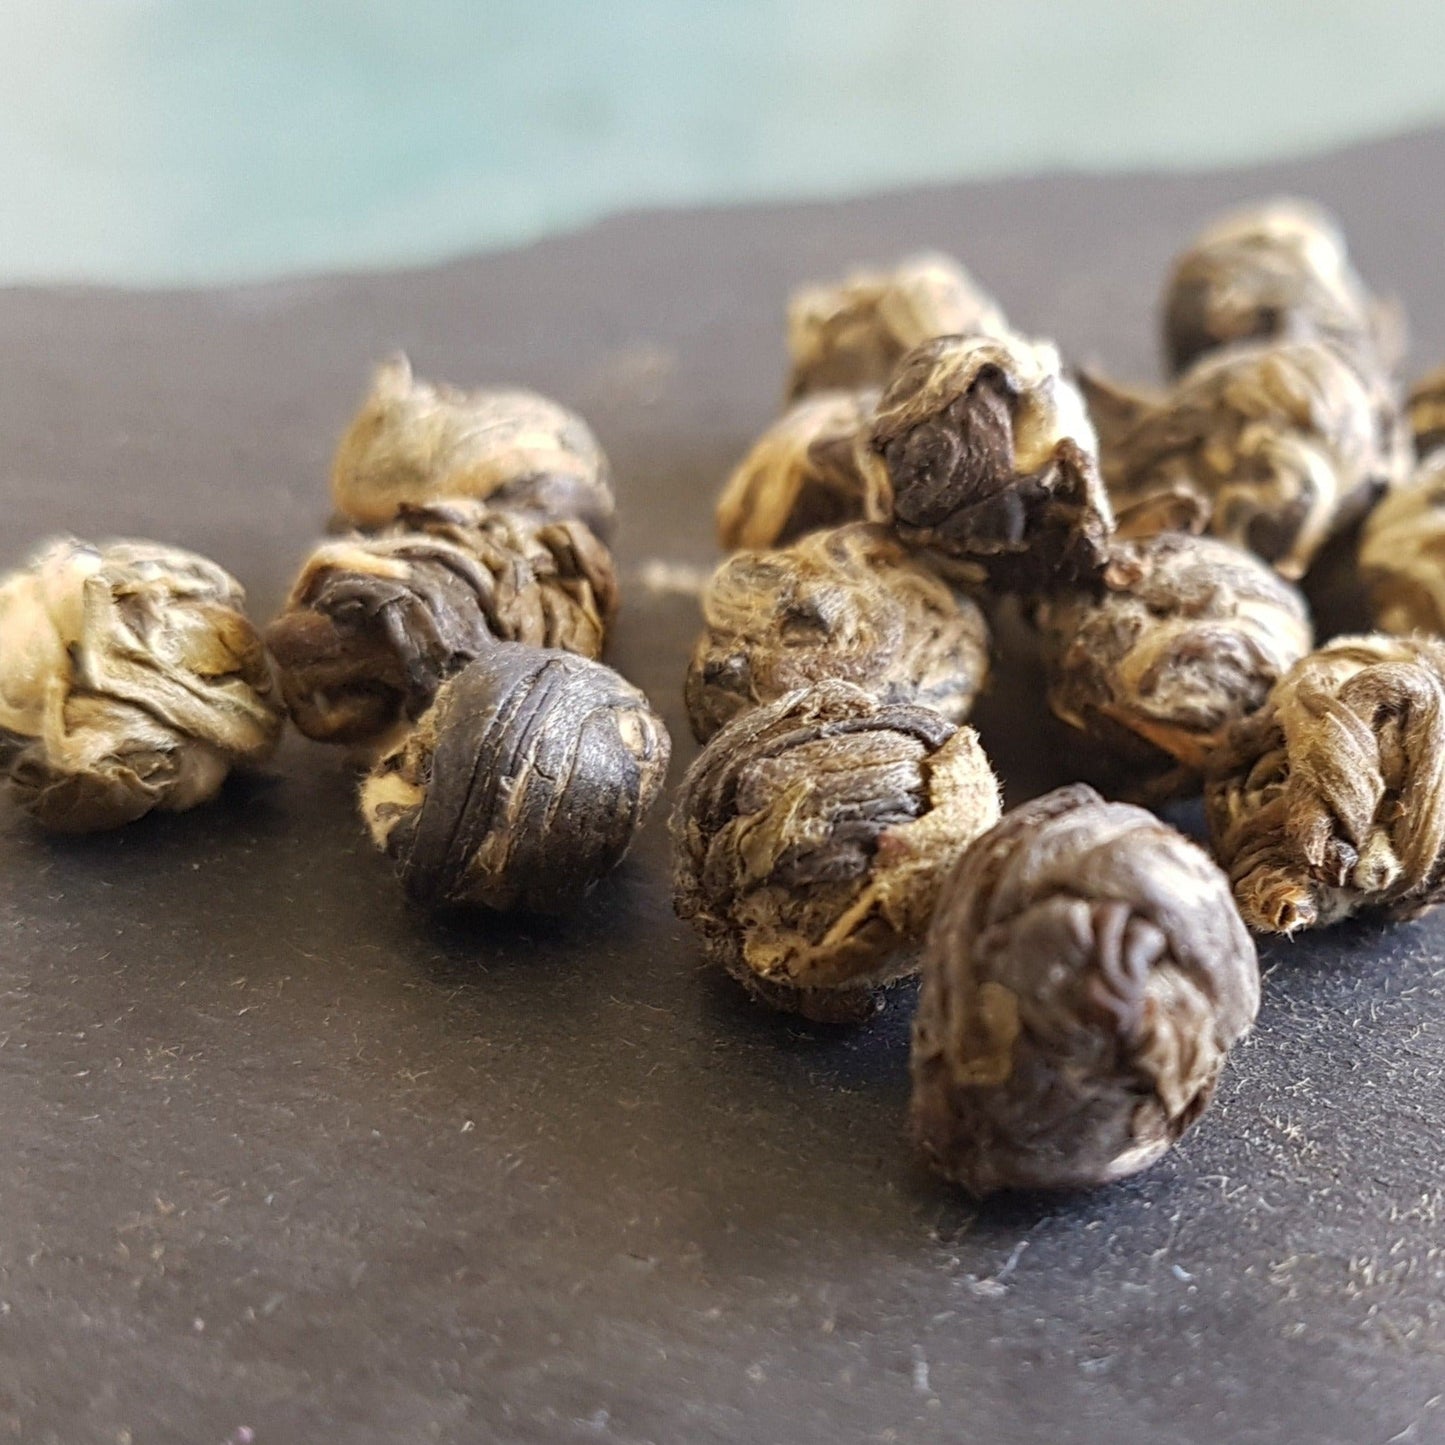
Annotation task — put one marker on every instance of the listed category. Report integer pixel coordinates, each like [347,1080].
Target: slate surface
[284,1162]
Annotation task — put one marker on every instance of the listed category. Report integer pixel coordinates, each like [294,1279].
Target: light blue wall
[187,140]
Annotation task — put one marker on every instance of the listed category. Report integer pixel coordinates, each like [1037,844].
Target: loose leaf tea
[1184,636]
[991,457]
[1330,800]
[1402,553]
[375,624]
[1085,976]
[1427,413]
[1275,448]
[812,468]
[413,442]
[1277,271]
[852,333]
[130,680]
[811,837]
[523,785]
[851,603]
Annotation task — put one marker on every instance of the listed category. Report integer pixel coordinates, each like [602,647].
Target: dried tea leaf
[1275,448]
[1330,800]
[1276,271]
[852,333]
[1426,411]
[130,680]
[851,603]
[374,624]
[413,442]
[811,837]
[812,468]
[1185,636]
[991,458]
[1085,976]
[1402,553]
[522,786]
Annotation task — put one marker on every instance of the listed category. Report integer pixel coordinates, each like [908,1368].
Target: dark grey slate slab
[285,1161]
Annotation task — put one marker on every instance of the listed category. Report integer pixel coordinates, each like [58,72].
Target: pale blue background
[193,140]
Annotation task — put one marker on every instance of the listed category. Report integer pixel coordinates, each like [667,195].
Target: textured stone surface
[283,1155]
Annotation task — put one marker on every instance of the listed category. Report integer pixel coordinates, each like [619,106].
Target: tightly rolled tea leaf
[852,333]
[1330,800]
[850,603]
[1275,271]
[523,785]
[413,442]
[130,680]
[374,624]
[812,468]
[1275,448]
[1184,636]
[1426,410]
[811,837]
[1402,553]
[1085,977]
[991,458]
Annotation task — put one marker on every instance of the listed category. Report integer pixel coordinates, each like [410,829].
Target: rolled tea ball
[130,681]
[852,333]
[991,458]
[1402,553]
[1275,448]
[812,468]
[524,783]
[375,623]
[1426,410]
[811,837]
[1330,800]
[1275,271]
[1085,977]
[1184,636]
[414,442]
[850,603]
